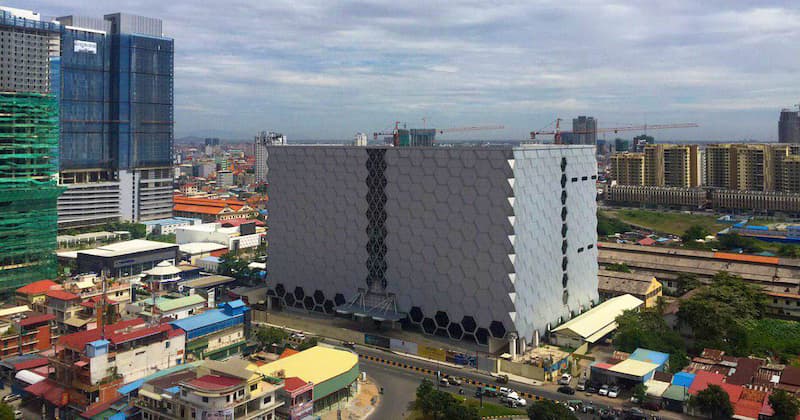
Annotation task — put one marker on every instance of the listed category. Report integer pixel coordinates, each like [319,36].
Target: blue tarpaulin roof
[683,379]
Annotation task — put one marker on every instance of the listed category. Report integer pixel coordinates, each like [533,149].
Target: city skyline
[326,71]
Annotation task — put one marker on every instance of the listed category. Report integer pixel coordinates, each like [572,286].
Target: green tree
[608,225]
[720,312]
[686,283]
[647,329]
[733,241]
[787,250]
[424,400]
[6,412]
[694,233]
[784,404]
[640,392]
[549,410]
[713,402]
[231,265]
[137,230]
[620,267]
[267,336]
[307,343]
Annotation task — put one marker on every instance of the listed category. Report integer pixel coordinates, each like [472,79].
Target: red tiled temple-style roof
[38,287]
[214,382]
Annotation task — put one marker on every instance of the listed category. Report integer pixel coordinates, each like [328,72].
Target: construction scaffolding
[28,188]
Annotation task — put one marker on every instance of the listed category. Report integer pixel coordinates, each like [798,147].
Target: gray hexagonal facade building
[473,243]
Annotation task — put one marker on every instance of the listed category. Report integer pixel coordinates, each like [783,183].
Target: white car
[603,390]
[565,379]
[613,392]
[299,336]
[17,415]
[503,392]
[11,397]
[514,400]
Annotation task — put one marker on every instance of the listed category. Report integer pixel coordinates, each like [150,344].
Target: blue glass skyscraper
[116,94]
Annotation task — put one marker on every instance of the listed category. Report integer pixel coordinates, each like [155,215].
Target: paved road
[407,380]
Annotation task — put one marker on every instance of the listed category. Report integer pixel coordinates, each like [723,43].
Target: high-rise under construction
[29,152]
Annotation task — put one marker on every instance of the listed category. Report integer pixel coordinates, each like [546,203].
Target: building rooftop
[38,287]
[230,310]
[637,284]
[208,281]
[62,295]
[214,382]
[317,364]
[599,318]
[169,221]
[195,248]
[650,356]
[164,268]
[127,247]
[166,304]
[118,333]
[292,383]
[633,367]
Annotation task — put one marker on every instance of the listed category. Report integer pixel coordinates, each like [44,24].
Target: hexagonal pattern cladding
[451,214]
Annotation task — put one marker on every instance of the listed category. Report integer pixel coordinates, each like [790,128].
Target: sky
[328,69]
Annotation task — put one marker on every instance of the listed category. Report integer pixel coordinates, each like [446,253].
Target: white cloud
[326,69]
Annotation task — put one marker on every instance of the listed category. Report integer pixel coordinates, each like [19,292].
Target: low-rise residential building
[169,307]
[34,294]
[298,396]
[213,390]
[216,333]
[643,286]
[194,251]
[64,306]
[89,366]
[26,332]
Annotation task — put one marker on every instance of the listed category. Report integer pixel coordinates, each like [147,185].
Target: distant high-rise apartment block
[789,126]
[360,139]
[641,141]
[29,162]
[672,165]
[114,81]
[621,145]
[261,141]
[585,130]
[628,168]
[747,167]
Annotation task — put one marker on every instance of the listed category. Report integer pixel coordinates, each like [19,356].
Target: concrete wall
[521,369]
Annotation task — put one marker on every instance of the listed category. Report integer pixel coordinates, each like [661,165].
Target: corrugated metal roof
[201,320]
[316,365]
[166,305]
[596,319]
[633,367]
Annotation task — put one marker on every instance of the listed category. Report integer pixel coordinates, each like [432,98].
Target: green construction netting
[28,190]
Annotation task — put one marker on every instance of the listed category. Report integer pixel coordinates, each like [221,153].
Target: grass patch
[666,222]
[775,337]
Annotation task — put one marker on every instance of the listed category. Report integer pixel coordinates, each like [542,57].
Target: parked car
[454,380]
[503,391]
[502,379]
[565,379]
[18,415]
[581,384]
[443,382]
[566,389]
[489,391]
[591,389]
[349,344]
[603,390]
[11,397]
[613,392]
[298,336]
[513,400]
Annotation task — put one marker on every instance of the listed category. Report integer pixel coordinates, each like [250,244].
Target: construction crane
[388,132]
[395,132]
[557,132]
